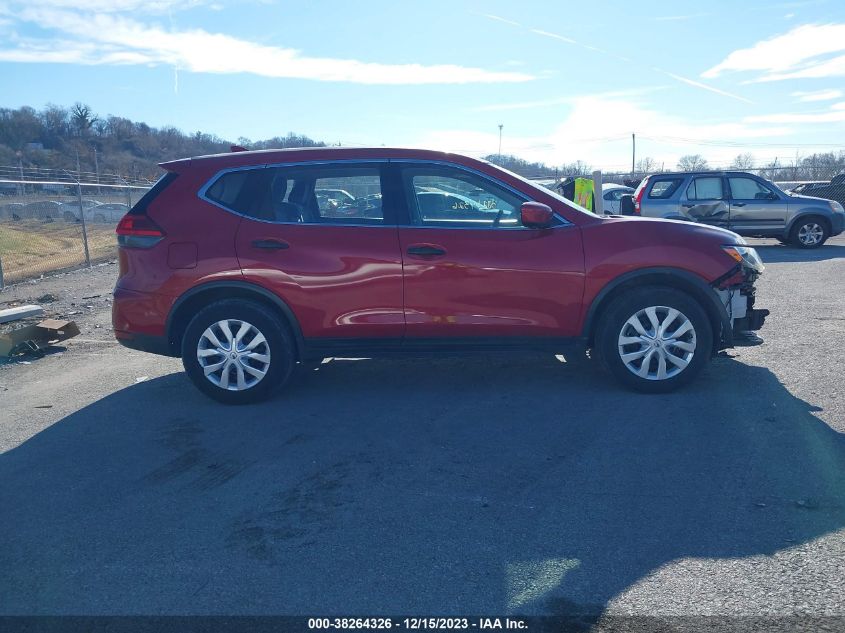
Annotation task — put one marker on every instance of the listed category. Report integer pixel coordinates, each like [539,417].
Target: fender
[247,288]
[819,213]
[701,290]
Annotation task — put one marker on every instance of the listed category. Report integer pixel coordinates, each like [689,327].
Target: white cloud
[817,95]
[797,53]
[500,19]
[598,130]
[117,6]
[102,38]
[698,84]
[836,114]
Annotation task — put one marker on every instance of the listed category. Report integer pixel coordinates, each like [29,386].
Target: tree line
[77,139]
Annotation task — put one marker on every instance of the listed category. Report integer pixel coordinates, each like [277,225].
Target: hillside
[56,137]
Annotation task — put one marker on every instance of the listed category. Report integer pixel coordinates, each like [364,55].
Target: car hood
[704,230]
[808,199]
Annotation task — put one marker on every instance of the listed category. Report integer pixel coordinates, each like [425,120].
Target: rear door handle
[738,204]
[426,250]
[273,245]
[687,206]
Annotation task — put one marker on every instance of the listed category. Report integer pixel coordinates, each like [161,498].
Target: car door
[755,205]
[472,270]
[335,263]
[705,201]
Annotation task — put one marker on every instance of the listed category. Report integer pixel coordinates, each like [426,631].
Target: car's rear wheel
[654,339]
[237,352]
[100,218]
[809,232]
[69,217]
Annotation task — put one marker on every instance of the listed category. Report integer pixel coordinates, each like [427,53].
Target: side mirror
[626,204]
[536,215]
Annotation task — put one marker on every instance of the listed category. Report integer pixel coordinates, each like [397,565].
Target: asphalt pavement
[476,485]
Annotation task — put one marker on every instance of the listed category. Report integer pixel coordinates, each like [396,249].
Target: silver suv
[742,202]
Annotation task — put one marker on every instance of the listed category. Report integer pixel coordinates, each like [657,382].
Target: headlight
[837,208]
[746,256]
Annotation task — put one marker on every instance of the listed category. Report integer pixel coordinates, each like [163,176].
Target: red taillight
[138,231]
[639,196]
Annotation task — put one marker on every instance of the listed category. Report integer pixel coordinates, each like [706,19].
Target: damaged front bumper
[737,295]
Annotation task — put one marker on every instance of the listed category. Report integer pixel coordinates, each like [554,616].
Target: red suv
[244,265]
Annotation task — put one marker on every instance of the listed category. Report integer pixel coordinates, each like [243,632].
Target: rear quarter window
[664,188]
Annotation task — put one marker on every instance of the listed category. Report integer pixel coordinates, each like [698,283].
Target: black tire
[69,217]
[100,218]
[627,305]
[809,223]
[282,350]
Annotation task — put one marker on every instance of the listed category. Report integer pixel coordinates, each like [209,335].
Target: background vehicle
[833,190]
[611,196]
[273,279]
[71,210]
[12,210]
[45,210]
[109,212]
[741,202]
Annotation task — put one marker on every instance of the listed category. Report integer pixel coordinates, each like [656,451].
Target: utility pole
[96,169]
[500,141]
[20,170]
[633,153]
[78,170]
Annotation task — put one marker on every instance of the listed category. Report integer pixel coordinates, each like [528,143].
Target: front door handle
[426,250]
[273,245]
[687,206]
[738,204]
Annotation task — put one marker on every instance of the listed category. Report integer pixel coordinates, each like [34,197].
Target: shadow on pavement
[774,254]
[475,486]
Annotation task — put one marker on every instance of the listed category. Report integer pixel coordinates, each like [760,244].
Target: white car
[611,194]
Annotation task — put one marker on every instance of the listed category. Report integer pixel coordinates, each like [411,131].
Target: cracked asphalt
[477,485]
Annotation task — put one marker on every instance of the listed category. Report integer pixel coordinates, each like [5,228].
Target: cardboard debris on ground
[19,312]
[34,338]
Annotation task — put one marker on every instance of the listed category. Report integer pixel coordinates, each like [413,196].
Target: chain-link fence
[50,222]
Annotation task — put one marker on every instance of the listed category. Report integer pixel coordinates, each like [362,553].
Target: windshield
[551,192]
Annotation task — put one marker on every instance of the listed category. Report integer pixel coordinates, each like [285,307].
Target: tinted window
[454,198]
[308,194]
[709,188]
[748,189]
[664,188]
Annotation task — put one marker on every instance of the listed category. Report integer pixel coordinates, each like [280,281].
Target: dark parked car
[45,210]
[833,190]
[742,202]
[12,211]
[230,262]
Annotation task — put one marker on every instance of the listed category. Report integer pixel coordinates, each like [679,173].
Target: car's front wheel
[654,339]
[237,351]
[809,233]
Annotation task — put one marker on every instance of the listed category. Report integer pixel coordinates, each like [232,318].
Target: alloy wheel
[657,343]
[810,234]
[233,354]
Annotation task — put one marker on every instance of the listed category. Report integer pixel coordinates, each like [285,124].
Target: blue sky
[567,81]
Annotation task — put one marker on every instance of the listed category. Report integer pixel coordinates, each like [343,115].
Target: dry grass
[30,248]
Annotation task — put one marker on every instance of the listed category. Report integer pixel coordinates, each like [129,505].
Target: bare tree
[743,162]
[692,162]
[646,165]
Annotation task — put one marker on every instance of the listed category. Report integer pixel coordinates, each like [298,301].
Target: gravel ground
[478,485]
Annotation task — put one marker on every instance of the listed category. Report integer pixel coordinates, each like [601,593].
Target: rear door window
[664,188]
[705,188]
[318,194]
